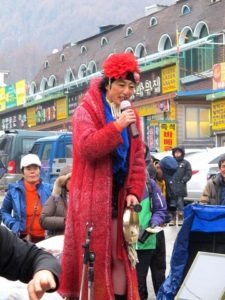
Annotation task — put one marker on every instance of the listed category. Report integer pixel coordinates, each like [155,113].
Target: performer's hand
[42,281]
[126,118]
[131,200]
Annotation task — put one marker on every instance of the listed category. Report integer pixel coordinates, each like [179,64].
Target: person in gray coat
[214,191]
[53,213]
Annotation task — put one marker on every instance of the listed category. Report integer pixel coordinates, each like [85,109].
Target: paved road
[170,235]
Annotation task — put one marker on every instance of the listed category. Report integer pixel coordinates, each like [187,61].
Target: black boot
[120,297]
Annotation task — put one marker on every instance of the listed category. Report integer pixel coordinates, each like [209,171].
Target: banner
[10,93]
[2,98]
[20,92]
[168,135]
[169,79]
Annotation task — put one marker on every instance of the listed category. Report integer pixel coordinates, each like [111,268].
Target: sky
[31,30]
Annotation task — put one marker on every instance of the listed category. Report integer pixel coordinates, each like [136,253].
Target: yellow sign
[169,79]
[2,98]
[218,115]
[20,92]
[172,111]
[31,117]
[154,108]
[168,135]
[61,109]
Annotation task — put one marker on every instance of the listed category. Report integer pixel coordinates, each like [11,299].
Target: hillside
[30,30]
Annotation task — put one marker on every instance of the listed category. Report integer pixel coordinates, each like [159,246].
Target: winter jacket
[169,166]
[15,202]
[154,212]
[20,259]
[53,213]
[181,177]
[91,198]
[212,191]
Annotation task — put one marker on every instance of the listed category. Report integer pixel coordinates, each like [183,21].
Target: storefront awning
[209,93]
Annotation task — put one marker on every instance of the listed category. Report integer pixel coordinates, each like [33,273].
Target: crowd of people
[113,170]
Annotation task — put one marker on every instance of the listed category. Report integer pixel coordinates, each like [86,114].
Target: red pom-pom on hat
[118,65]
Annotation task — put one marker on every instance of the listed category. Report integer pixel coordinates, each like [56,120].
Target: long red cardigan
[91,197]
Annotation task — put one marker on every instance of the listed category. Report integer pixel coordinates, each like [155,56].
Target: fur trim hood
[59,184]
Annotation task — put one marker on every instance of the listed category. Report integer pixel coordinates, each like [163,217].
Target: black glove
[143,235]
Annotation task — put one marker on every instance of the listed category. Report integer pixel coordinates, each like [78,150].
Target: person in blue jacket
[153,214]
[23,202]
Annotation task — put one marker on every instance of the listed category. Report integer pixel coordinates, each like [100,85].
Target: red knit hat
[122,65]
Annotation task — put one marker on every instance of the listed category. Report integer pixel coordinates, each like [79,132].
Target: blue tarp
[198,217]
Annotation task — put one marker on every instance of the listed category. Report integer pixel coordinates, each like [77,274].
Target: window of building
[43,85]
[69,76]
[129,50]
[197,60]
[185,10]
[83,50]
[129,31]
[153,21]
[197,122]
[165,43]
[104,41]
[82,71]
[52,81]
[140,51]
[46,64]
[33,88]
[92,68]
[62,58]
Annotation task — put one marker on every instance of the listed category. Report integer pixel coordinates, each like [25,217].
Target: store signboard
[2,98]
[154,108]
[10,93]
[218,115]
[219,76]
[149,86]
[20,92]
[168,135]
[61,109]
[14,120]
[169,79]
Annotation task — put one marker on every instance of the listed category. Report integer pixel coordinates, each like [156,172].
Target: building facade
[177,98]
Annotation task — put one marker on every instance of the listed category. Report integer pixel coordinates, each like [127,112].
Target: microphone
[125,104]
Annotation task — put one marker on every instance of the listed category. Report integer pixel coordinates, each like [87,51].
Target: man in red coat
[108,176]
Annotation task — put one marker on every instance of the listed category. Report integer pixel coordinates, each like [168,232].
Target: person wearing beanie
[108,176]
[181,177]
[24,200]
[53,213]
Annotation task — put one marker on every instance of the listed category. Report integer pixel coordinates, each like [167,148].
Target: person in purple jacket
[151,249]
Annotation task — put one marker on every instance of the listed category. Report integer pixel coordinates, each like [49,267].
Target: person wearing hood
[181,177]
[53,213]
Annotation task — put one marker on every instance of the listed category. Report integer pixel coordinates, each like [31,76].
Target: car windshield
[5,142]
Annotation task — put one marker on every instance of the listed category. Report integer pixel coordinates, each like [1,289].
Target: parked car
[201,164]
[54,152]
[160,155]
[13,145]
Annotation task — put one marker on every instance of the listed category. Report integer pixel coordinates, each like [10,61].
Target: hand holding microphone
[128,118]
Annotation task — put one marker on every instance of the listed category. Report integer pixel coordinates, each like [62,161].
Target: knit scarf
[120,157]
